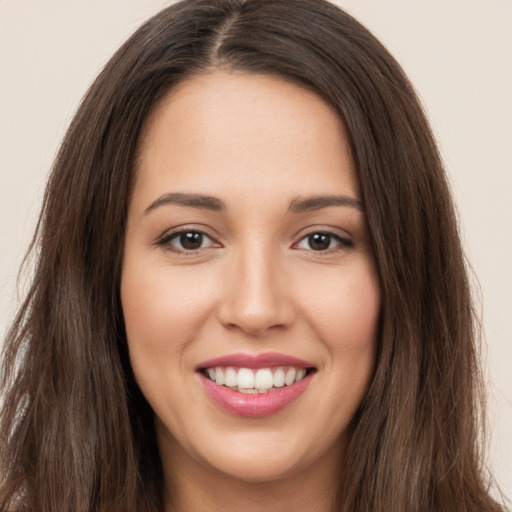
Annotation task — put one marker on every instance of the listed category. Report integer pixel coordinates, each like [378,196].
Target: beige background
[458,54]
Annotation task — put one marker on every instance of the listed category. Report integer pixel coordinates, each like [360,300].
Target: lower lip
[254,405]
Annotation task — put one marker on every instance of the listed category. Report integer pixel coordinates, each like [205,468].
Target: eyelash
[342,242]
[166,240]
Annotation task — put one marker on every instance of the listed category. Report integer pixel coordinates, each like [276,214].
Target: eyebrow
[192,200]
[307,204]
[297,205]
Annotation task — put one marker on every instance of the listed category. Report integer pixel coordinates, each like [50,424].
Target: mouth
[252,381]
[255,385]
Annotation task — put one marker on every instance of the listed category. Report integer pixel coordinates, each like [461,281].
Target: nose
[256,297]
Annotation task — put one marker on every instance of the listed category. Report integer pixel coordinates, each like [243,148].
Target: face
[249,290]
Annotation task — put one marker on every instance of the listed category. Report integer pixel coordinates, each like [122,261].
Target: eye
[186,240]
[323,241]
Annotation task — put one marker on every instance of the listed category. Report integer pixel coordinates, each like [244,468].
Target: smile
[255,386]
[247,380]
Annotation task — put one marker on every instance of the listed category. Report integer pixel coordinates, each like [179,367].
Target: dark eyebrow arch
[307,204]
[192,200]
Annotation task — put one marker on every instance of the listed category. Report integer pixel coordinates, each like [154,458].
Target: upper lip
[265,360]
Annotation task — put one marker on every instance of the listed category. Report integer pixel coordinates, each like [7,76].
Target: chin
[265,456]
[264,468]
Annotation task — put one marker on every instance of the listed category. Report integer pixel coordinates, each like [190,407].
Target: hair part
[76,432]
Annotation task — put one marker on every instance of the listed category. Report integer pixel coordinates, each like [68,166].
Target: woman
[250,290]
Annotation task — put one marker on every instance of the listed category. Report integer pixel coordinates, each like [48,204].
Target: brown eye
[319,241]
[323,241]
[186,241]
[191,240]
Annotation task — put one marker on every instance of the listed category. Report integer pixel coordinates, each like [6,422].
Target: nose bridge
[255,297]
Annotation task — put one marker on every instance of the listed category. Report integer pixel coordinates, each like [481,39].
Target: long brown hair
[76,433]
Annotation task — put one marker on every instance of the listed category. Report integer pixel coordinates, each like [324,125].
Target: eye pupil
[191,240]
[319,241]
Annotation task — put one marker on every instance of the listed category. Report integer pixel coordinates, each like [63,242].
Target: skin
[255,285]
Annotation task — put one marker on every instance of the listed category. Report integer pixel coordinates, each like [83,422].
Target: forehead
[220,131]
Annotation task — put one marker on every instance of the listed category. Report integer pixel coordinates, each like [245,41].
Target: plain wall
[458,54]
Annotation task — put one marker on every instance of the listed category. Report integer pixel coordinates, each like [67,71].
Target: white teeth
[245,378]
[300,374]
[219,376]
[260,380]
[279,378]
[289,378]
[251,391]
[263,379]
[230,378]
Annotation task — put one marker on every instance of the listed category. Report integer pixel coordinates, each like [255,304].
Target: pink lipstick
[255,385]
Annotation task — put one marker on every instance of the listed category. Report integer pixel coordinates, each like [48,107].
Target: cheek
[345,315]
[163,312]
[344,307]
[355,342]
[158,299]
